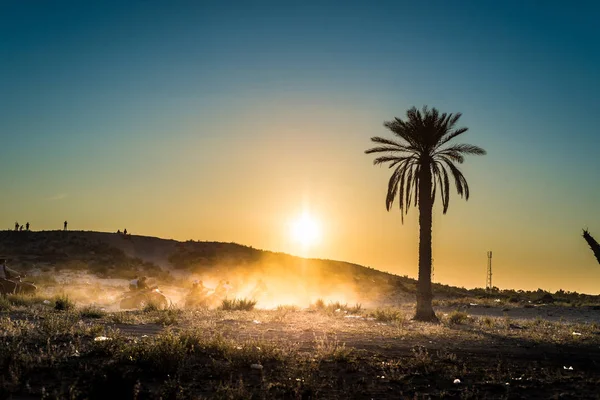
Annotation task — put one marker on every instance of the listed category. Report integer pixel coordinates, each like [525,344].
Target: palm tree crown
[422,144]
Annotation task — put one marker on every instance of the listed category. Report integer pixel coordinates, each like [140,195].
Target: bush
[388,315]
[238,304]
[92,312]
[458,317]
[63,303]
[319,304]
[4,304]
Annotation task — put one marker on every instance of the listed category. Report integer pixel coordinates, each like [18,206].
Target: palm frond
[389,142]
[462,187]
[451,135]
[466,149]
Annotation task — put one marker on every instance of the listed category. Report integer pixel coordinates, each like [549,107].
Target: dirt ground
[477,351]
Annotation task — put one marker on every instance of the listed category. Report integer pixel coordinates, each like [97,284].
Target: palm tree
[592,243]
[423,163]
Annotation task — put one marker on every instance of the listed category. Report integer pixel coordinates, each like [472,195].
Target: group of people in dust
[10,281]
[201,295]
[140,290]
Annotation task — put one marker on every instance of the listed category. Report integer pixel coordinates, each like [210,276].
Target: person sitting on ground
[143,283]
[8,277]
[133,284]
[139,283]
[198,289]
[222,288]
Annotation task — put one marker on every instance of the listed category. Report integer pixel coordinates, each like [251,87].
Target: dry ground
[324,352]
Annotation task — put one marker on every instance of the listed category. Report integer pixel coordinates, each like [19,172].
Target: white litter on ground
[256,366]
[101,338]
[456,381]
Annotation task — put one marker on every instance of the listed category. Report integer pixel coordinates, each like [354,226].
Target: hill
[114,255]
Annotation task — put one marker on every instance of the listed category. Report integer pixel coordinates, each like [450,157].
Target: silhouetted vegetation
[593,244]
[422,165]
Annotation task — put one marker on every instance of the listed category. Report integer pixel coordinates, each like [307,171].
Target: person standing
[27,226]
[16,226]
[65,226]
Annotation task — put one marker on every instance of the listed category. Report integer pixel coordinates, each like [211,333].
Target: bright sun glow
[306,230]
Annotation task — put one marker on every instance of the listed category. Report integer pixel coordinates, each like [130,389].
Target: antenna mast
[488,281]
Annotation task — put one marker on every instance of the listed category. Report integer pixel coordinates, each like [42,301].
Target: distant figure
[118,231]
[16,226]
[27,226]
[65,227]
[124,231]
[21,228]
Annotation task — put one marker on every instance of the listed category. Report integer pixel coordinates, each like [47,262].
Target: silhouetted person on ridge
[21,228]
[16,226]
[27,226]
[65,226]
[124,231]
[118,231]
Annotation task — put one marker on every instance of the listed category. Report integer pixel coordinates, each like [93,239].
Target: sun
[306,230]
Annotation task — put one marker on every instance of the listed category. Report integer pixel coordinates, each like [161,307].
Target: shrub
[151,306]
[458,317]
[63,303]
[92,312]
[319,304]
[24,300]
[4,304]
[238,305]
[388,315]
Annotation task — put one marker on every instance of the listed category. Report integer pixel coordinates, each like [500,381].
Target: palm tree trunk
[593,244]
[424,295]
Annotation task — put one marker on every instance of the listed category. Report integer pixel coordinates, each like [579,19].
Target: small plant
[458,317]
[238,305]
[388,315]
[168,317]
[151,306]
[333,350]
[319,304]
[356,309]
[5,304]
[92,312]
[63,303]
[24,300]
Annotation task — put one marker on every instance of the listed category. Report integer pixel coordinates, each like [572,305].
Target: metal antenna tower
[488,281]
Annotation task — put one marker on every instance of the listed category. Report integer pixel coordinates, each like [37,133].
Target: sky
[225,121]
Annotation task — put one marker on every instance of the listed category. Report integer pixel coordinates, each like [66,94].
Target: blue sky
[143,100]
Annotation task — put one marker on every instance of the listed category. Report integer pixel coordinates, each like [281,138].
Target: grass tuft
[63,303]
[92,312]
[238,305]
[458,317]
[388,315]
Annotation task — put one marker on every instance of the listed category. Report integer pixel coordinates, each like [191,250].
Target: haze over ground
[224,122]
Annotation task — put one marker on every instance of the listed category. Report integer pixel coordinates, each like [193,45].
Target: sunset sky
[226,121]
